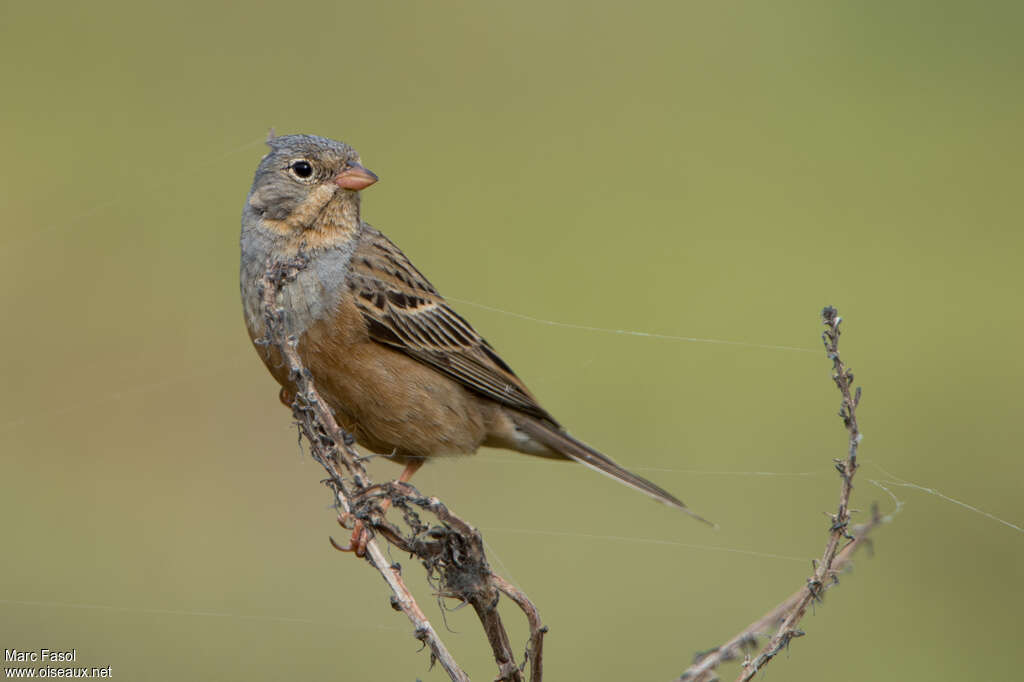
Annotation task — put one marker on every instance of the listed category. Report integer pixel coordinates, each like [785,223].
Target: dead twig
[452,550]
[535,648]
[785,617]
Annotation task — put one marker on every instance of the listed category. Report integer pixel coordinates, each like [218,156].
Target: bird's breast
[313,295]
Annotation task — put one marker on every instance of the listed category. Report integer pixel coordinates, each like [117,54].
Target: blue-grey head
[302,175]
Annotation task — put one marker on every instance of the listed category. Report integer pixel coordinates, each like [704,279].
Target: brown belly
[391,403]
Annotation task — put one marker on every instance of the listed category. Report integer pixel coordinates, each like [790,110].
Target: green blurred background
[709,170]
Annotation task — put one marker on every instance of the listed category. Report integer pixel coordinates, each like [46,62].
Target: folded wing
[402,310]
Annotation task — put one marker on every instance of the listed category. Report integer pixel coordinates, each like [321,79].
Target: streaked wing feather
[402,310]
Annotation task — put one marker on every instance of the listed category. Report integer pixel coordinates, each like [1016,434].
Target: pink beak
[355,177]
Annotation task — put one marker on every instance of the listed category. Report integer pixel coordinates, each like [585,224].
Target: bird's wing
[402,310]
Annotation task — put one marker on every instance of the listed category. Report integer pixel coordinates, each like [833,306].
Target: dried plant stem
[535,649]
[840,520]
[467,576]
[787,615]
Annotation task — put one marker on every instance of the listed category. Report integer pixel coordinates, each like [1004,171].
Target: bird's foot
[361,536]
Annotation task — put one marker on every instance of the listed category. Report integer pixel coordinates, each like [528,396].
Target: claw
[335,545]
[360,535]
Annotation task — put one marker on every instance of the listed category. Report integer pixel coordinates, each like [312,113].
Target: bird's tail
[560,441]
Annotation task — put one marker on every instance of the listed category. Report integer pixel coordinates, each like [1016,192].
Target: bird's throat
[324,220]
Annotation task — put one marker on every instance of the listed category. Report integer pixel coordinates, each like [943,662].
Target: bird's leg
[411,468]
[361,536]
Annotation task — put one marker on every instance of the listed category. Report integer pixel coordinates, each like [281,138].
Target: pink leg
[360,536]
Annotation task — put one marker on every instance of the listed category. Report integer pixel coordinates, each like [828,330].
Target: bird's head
[308,182]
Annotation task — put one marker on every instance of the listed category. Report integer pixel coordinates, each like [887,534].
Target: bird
[402,371]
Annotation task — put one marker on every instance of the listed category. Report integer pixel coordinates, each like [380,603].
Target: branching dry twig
[786,616]
[452,551]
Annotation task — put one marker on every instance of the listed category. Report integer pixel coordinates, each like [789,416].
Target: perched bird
[402,371]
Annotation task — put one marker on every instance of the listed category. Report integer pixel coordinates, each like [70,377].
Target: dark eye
[301,169]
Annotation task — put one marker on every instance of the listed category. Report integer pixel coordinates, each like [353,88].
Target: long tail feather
[579,451]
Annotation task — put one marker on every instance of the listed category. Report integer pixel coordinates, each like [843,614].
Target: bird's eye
[301,169]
